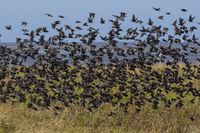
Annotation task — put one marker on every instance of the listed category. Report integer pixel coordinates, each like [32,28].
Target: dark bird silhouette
[184,10]
[91,17]
[161,17]
[156,9]
[8,27]
[191,18]
[168,13]
[78,21]
[49,15]
[60,16]
[134,19]
[102,21]
[24,23]
[150,22]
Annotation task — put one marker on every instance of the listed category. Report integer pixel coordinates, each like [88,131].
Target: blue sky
[12,12]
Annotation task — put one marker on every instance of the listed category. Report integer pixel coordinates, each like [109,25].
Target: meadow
[19,119]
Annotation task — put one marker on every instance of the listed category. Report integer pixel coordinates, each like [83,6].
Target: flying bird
[24,23]
[8,27]
[49,15]
[156,9]
[102,21]
[60,16]
[161,17]
[168,13]
[184,10]
[191,18]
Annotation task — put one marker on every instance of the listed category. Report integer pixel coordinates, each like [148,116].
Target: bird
[102,21]
[78,22]
[91,15]
[60,16]
[184,10]
[150,22]
[9,27]
[191,18]
[78,27]
[161,17]
[156,9]
[23,23]
[168,13]
[49,15]
[134,19]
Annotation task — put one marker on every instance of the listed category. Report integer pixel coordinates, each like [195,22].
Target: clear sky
[12,12]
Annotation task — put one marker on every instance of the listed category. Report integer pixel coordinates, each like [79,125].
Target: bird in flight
[49,15]
[60,16]
[9,27]
[161,17]
[191,18]
[24,23]
[168,13]
[156,9]
[102,21]
[184,10]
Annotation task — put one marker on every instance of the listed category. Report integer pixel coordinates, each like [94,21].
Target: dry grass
[19,119]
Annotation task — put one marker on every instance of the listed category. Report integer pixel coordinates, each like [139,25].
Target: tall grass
[19,119]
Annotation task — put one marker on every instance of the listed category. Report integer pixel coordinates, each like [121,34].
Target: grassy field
[19,119]
[16,117]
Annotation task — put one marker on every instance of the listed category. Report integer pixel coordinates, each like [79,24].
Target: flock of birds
[120,71]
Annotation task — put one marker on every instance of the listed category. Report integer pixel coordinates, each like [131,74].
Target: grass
[106,119]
